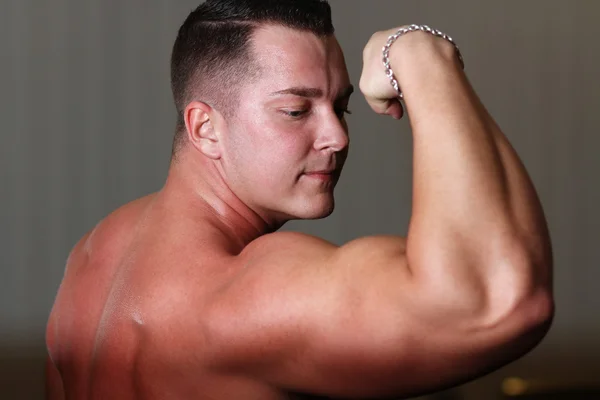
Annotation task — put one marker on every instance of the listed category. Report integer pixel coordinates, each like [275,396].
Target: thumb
[391,107]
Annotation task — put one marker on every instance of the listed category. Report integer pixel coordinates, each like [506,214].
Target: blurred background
[87,121]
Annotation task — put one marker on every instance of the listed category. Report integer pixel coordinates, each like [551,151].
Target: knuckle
[362,84]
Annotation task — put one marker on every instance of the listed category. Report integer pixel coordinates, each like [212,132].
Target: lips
[324,176]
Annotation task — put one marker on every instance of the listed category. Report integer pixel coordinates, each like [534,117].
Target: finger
[395,109]
[391,107]
[379,106]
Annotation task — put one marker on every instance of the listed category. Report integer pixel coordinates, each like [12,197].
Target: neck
[198,191]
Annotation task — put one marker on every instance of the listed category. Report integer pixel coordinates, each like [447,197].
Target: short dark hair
[211,55]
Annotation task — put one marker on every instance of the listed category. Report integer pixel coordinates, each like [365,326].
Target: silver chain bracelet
[402,31]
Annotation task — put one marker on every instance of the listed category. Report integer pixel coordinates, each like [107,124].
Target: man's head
[261,87]
[212,53]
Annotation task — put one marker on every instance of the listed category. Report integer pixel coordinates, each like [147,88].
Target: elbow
[535,316]
[520,307]
[520,295]
[524,328]
[533,306]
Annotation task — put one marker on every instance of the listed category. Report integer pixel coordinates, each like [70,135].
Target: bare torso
[127,322]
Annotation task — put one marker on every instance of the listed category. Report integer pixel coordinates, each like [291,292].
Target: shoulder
[284,248]
[285,241]
[300,245]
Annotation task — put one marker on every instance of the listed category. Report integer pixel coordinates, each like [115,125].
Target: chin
[316,208]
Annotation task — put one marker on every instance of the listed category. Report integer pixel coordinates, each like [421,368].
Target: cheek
[280,159]
[280,145]
[270,152]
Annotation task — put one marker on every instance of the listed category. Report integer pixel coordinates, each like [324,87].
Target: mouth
[326,175]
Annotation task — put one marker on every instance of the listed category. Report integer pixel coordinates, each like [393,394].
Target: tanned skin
[190,293]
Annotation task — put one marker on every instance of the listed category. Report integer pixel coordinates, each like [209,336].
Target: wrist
[420,53]
[417,63]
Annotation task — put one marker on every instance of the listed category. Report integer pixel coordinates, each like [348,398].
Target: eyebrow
[312,92]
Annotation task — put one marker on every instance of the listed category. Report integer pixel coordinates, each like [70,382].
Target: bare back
[127,321]
[154,304]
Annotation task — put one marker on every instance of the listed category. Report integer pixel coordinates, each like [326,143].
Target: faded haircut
[212,54]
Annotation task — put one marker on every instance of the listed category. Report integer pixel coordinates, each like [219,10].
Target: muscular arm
[466,293]
[473,200]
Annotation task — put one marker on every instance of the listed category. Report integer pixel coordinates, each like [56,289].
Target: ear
[201,129]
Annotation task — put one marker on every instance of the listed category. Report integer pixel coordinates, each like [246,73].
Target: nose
[332,136]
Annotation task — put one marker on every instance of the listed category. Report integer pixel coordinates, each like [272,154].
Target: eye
[340,112]
[295,113]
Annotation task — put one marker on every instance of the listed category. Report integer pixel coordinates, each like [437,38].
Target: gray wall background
[86,124]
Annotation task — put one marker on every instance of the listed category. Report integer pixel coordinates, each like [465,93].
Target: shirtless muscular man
[191,293]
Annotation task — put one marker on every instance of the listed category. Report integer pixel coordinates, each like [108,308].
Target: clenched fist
[374,83]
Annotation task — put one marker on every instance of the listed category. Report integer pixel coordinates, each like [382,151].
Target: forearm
[476,217]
